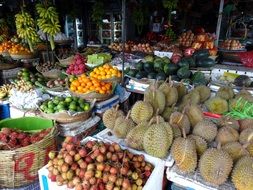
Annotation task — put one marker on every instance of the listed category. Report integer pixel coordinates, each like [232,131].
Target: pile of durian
[170,120]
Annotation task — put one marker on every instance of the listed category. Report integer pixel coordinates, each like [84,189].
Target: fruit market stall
[129,115]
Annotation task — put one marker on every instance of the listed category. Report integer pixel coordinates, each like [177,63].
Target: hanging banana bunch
[26,28]
[48,21]
[3,30]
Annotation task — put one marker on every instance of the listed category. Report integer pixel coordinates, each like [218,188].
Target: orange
[101,91]
[89,84]
[73,88]
[92,88]
[92,74]
[75,83]
[108,86]
[103,88]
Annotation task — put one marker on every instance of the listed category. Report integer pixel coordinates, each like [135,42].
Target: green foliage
[139,17]
[98,12]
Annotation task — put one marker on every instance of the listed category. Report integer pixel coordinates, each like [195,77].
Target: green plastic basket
[28,124]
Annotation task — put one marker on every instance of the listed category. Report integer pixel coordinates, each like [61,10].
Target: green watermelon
[170,69]
[141,74]
[132,72]
[161,76]
[158,66]
[139,66]
[148,66]
[151,75]
[184,73]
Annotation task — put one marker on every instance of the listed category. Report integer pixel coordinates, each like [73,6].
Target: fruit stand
[164,112]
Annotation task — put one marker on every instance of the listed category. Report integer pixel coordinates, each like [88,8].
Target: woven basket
[20,167]
[66,62]
[91,96]
[113,80]
[64,117]
[20,56]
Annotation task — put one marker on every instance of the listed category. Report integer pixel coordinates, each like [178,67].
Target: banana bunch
[5,90]
[26,28]
[48,21]
[3,30]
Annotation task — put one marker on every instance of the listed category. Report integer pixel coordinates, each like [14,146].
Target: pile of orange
[84,84]
[19,49]
[106,71]
[5,46]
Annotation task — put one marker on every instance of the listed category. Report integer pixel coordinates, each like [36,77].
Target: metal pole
[123,37]
[219,23]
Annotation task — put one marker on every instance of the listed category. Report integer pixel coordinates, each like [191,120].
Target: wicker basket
[64,117]
[20,167]
[66,62]
[20,56]
[113,80]
[91,96]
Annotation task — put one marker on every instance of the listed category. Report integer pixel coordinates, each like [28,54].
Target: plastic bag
[247,58]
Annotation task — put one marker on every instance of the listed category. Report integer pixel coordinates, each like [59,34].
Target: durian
[215,166]
[157,140]
[123,125]
[181,90]
[235,150]
[167,113]
[226,121]
[176,131]
[155,97]
[141,111]
[243,93]
[134,138]
[225,92]
[246,136]
[193,97]
[201,144]
[249,147]
[155,118]
[226,135]
[242,174]
[205,129]
[245,123]
[170,92]
[217,105]
[184,153]
[181,120]
[110,116]
[204,92]
[194,114]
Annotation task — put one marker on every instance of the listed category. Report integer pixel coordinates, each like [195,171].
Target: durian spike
[128,114]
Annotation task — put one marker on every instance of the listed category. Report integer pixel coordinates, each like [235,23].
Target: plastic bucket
[4,110]
[31,124]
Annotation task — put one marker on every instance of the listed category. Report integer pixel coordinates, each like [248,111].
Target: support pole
[219,23]
[123,37]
